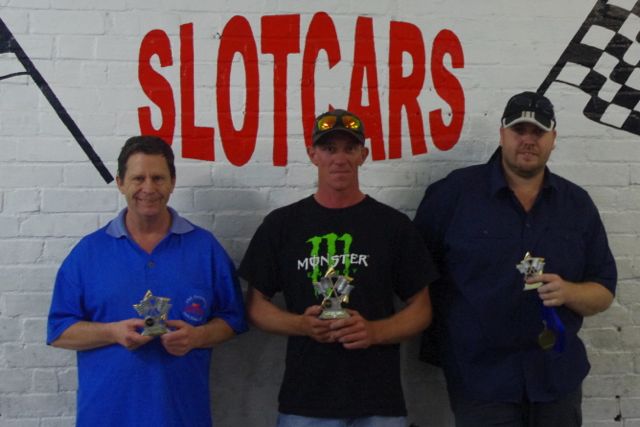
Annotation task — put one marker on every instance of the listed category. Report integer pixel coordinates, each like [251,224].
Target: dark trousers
[565,412]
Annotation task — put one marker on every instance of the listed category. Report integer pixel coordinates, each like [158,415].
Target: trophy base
[154,331]
[333,314]
[531,286]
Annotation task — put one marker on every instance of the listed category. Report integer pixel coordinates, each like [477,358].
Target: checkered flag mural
[9,45]
[603,61]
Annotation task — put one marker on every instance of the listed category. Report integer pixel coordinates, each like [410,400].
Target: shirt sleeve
[414,268]
[432,218]
[259,266]
[66,304]
[601,266]
[229,304]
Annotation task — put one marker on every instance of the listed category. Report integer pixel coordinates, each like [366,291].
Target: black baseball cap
[337,121]
[529,107]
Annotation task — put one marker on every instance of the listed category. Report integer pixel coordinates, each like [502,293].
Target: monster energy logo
[319,263]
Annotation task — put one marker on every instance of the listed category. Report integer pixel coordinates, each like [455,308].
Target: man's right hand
[315,328]
[85,335]
[125,333]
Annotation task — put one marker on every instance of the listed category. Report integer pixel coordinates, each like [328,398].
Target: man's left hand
[555,291]
[354,332]
[181,340]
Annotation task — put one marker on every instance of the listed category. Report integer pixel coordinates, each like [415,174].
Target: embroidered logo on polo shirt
[195,308]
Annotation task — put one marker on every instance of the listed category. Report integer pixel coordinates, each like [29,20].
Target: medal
[546,338]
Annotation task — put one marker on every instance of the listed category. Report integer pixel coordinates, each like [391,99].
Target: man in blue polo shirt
[512,357]
[148,252]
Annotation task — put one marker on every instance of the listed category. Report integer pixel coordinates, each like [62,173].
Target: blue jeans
[287,420]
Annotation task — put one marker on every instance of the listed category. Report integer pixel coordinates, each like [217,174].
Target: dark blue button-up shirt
[486,325]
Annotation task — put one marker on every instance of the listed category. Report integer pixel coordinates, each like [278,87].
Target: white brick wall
[51,195]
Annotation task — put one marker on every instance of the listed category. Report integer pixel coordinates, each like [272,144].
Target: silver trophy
[154,311]
[335,290]
[531,266]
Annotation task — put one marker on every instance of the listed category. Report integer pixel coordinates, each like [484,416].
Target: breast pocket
[565,253]
[480,254]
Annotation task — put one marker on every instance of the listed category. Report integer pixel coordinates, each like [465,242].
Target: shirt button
[151,264]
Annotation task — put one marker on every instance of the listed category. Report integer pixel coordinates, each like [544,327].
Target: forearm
[270,318]
[212,333]
[588,298]
[412,319]
[86,336]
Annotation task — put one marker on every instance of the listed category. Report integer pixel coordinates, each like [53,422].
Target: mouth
[527,153]
[148,200]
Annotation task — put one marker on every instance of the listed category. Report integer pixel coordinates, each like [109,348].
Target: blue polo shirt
[105,274]
[485,325]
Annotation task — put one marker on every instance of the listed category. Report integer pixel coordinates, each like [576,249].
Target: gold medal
[546,338]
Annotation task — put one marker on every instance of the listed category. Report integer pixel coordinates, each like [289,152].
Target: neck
[148,232]
[526,189]
[336,200]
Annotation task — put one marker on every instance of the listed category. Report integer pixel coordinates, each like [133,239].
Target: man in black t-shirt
[339,247]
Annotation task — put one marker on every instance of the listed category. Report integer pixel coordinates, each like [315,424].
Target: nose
[529,137]
[147,184]
[340,155]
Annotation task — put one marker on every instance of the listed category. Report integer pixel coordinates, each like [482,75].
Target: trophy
[335,290]
[154,310]
[531,266]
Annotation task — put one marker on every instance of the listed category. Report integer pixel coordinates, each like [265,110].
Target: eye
[329,148]
[518,128]
[352,148]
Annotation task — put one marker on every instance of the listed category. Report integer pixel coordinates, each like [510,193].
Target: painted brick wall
[87,51]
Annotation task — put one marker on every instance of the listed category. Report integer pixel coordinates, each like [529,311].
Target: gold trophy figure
[335,290]
[154,311]
[531,266]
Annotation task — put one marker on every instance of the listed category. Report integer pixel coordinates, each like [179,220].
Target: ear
[119,183]
[365,154]
[311,152]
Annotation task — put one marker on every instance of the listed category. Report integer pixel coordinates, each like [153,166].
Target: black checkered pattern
[603,61]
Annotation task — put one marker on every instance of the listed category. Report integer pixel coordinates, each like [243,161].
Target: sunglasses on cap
[347,120]
[338,120]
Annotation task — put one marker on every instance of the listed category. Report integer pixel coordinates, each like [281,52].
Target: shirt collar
[497,182]
[116,228]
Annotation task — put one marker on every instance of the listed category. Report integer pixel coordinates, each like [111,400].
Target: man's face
[147,185]
[526,149]
[338,159]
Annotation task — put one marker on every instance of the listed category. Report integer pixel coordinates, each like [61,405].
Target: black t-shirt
[381,250]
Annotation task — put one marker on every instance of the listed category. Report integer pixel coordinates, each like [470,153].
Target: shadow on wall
[246,374]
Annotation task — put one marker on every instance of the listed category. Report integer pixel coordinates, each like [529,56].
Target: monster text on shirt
[331,250]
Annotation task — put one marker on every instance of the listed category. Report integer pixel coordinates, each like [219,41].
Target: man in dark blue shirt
[512,357]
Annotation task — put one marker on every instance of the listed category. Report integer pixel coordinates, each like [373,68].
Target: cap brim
[321,137]
[542,122]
